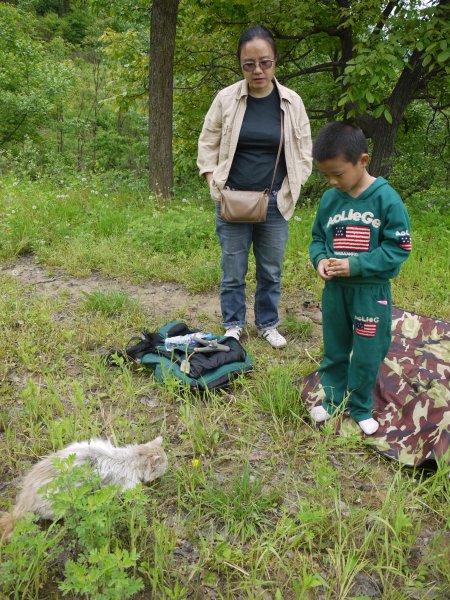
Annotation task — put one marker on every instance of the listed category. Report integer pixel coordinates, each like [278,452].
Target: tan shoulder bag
[238,206]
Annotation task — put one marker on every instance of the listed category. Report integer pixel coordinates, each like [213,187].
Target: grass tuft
[108,303]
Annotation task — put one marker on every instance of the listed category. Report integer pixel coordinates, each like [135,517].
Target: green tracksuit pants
[356,338]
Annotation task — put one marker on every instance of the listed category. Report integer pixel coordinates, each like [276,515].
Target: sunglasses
[251,66]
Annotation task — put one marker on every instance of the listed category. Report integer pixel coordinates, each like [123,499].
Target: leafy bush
[434,199]
[25,562]
[93,520]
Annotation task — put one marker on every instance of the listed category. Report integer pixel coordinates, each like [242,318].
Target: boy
[360,237]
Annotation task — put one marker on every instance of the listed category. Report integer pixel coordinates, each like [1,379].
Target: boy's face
[344,175]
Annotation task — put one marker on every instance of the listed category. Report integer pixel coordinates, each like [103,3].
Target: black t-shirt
[257,148]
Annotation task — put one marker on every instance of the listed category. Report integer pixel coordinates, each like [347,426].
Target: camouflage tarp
[412,395]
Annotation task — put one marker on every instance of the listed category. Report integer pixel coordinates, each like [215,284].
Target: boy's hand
[338,267]
[322,269]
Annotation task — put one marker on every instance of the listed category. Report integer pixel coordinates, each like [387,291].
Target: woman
[238,148]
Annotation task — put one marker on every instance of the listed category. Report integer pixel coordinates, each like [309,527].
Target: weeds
[257,503]
[203,433]
[88,525]
[243,505]
[110,304]
[301,330]
[278,394]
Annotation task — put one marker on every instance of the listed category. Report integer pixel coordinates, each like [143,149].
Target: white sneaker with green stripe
[275,339]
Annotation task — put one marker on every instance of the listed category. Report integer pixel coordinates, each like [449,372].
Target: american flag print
[404,241]
[351,237]
[365,329]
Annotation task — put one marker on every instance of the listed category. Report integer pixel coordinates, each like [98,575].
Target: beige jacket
[219,137]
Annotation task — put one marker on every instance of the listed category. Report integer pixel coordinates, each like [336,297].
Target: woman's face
[253,53]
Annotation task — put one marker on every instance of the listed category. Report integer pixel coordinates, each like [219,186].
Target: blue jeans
[269,241]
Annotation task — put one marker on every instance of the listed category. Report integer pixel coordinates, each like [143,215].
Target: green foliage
[27,559]
[371,74]
[366,80]
[127,55]
[56,109]
[436,199]
[91,114]
[94,517]
[102,574]
[32,80]
[434,42]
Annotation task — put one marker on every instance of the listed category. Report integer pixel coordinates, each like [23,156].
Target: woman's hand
[208,177]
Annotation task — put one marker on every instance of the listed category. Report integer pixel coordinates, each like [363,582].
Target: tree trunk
[64,7]
[383,134]
[383,139]
[96,74]
[60,130]
[162,49]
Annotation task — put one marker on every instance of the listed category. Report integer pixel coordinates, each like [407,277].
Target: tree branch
[329,113]
[384,17]
[8,136]
[322,68]
[333,31]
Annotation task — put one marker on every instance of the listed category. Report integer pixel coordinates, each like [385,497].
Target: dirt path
[156,298]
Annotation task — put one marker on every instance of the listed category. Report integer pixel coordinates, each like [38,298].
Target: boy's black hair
[340,138]
[257,32]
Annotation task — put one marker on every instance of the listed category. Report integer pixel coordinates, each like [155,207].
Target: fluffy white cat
[124,466]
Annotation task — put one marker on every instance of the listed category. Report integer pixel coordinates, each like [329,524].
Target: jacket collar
[282,91]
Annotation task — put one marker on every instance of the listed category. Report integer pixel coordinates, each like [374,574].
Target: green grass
[278,394]
[108,303]
[82,228]
[296,328]
[256,502]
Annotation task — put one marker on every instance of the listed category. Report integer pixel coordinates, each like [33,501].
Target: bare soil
[159,299]
[156,297]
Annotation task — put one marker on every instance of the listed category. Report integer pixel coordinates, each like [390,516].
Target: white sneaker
[369,426]
[319,414]
[275,339]
[234,332]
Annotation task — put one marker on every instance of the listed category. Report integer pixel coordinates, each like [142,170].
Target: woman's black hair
[340,138]
[257,32]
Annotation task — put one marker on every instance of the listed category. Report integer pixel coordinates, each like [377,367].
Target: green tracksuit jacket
[373,232]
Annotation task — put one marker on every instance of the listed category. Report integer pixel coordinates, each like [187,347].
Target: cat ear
[157,441]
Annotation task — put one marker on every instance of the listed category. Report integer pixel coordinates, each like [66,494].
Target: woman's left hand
[338,267]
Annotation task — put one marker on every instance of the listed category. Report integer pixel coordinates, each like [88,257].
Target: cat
[124,466]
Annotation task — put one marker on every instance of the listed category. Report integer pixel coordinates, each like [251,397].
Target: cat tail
[7,524]
[24,504]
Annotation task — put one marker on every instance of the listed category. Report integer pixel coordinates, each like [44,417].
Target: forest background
[106,229]
[74,93]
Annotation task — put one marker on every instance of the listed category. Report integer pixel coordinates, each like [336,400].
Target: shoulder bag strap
[279,150]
